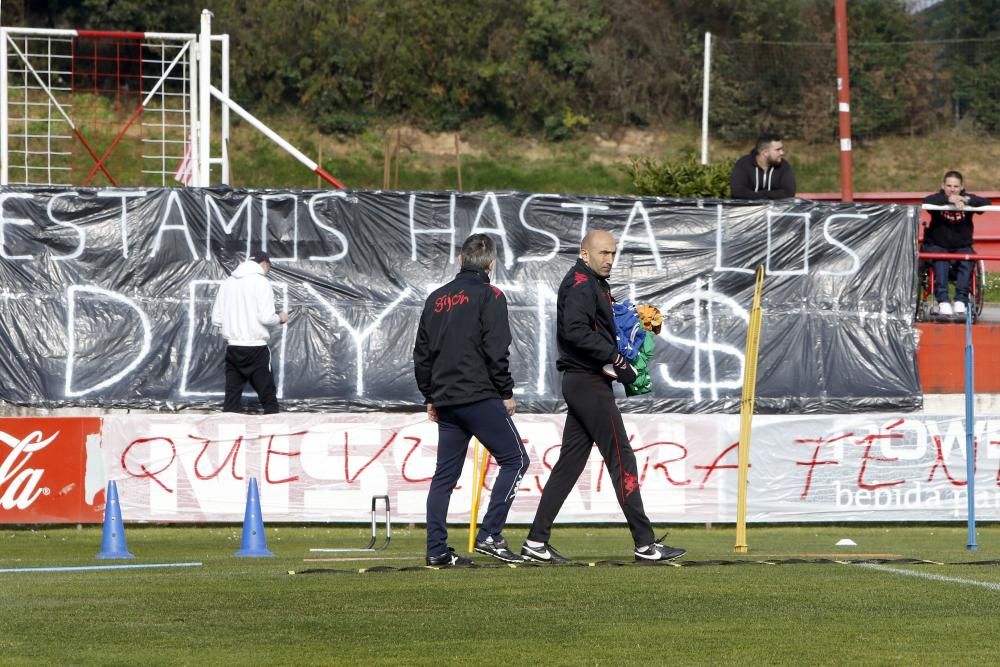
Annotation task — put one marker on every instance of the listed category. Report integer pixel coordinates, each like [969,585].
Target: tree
[974,62]
[890,71]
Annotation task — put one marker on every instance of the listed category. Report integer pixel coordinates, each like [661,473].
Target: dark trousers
[488,421]
[249,364]
[593,417]
[942,267]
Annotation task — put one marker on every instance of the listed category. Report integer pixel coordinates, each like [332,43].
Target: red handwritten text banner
[873,467]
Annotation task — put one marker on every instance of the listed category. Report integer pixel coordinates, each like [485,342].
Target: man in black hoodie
[589,359]
[460,360]
[951,232]
[763,173]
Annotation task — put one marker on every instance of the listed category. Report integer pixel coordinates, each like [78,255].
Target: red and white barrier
[317,468]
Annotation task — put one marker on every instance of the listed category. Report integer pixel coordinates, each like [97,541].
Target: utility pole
[844,102]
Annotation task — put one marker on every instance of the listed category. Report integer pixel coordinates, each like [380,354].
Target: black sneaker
[497,548]
[658,552]
[449,559]
[543,554]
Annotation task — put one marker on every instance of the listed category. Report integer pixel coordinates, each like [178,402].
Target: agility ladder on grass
[746,412]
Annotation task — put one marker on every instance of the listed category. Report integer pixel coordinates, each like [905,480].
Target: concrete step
[954,404]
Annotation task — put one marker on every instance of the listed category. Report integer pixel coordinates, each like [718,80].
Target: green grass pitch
[252,612]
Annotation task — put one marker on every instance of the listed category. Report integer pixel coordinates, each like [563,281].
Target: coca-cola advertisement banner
[863,467]
[51,470]
[106,294]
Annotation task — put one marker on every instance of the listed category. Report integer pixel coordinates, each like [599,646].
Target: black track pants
[593,418]
[249,364]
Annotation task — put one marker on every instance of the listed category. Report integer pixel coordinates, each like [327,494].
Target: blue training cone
[113,539]
[254,543]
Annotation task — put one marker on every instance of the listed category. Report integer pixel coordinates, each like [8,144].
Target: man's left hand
[624,370]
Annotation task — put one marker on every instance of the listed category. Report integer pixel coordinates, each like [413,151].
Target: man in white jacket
[244,308]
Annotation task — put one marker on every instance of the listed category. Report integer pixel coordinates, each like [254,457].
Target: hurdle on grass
[746,412]
[371,543]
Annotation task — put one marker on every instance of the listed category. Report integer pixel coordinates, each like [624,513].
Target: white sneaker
[960,308]
[944,308]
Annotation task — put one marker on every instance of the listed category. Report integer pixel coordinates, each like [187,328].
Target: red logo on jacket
[579,278]
[446,302]
[496,292]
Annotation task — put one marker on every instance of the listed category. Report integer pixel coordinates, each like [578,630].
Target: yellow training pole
[479,462]
[746,413]
[473,513]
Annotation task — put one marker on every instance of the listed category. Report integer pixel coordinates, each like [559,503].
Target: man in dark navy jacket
[764,173]
[461,364]
[589,359]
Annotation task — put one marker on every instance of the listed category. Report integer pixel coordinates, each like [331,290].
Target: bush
[341,122]
[562,127]
[686,177]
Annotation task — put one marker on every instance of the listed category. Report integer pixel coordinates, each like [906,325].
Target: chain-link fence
[897,88]
[921,106]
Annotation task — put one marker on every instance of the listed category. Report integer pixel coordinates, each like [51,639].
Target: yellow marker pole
[746,413]
[479,464]
[473,514]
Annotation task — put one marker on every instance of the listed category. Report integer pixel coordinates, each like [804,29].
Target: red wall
[941,357]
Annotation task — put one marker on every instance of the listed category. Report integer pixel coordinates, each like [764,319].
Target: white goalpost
[89,107]
[109,108]
[79,106]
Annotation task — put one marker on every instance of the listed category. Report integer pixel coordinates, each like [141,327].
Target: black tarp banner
[106,294]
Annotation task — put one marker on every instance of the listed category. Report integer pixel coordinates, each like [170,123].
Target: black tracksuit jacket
[463,343]
[951,229]
[585,323]
[748,181]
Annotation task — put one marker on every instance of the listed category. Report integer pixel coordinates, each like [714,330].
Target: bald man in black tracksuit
[460,360]
[589,359]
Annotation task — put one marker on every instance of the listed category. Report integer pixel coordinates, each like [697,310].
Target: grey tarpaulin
[105,294]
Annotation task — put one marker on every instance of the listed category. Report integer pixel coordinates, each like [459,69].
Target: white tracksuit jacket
[244,306]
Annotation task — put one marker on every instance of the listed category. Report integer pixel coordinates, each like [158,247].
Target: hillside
[496,159]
